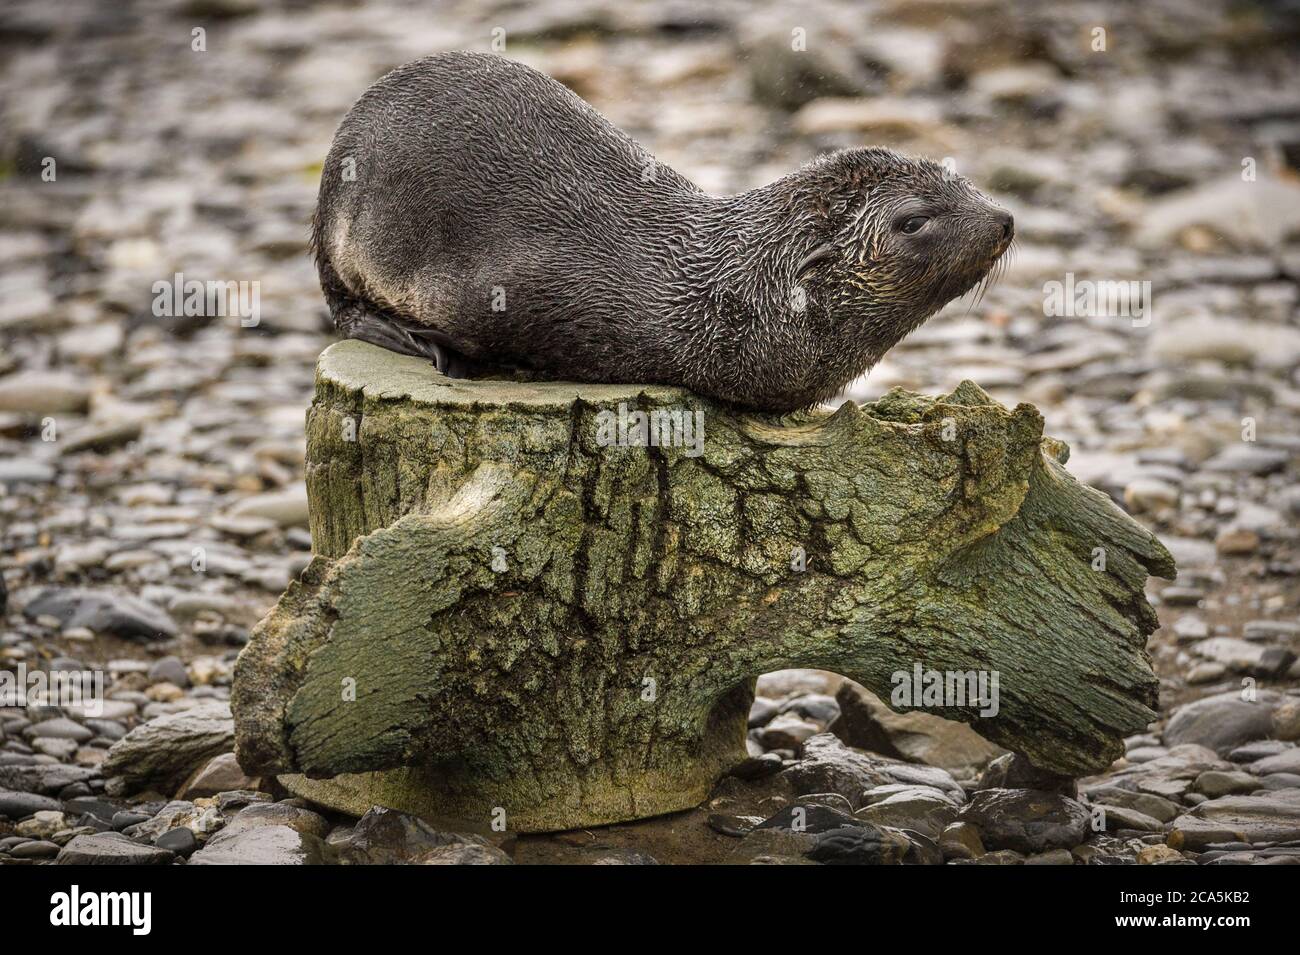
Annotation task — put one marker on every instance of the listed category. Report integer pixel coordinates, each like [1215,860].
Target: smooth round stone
[90,806]
[126,818]
[111,848]
[61,749]
[1215,783]
[243,527]
[729,825]
[107,729]
[762,710]
[169,670]
[179,840]
[17,805]
[60,728]
[35,849]
[25,471]
[1258,750]
[44,392]
[816,707]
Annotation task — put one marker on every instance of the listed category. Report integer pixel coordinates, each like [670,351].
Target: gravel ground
[153,505]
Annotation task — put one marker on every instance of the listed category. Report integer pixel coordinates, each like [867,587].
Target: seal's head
[888,241]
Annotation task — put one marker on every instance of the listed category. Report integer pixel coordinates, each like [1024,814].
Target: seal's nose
[1007,223]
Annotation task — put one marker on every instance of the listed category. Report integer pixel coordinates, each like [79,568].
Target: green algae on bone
[940,530]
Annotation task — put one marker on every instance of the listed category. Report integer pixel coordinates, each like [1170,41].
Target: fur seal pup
[475,211]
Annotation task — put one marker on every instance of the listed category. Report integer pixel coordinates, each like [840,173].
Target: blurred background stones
[151,487]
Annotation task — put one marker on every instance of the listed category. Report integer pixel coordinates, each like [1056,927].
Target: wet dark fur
[476,175]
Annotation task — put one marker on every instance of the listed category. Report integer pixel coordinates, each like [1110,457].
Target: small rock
[60,728]
[762,710]
[828,765]
[1201,673]
[859,845]
[1247,459]
[1269,818]
[1145,495]
[169,670]
[220,774]
[102,612]
[867,723]
[35,849]
[961,840]
[164,751]
[262,845]
[927,811]
[1120,817]
[19,805]
[1271,630]
[1287,761]
[1215,783]
[1251,752]
[1027,820]
[1051,857]
[1235,654]
[47,779]
[25,471]
[459,853]
[1256,214]
[1159,855]
[1013,771]
[810,818]
[281,814]
[758,767]
[286,508]
[203,821]
[1189,627]
[42,824]
[729,825]
[385,836]
[111,848]
[1221,722]
[179,840]
[1236,541]
[127,818]
[1001,857]
[44,393]
[814,707]
[787,732]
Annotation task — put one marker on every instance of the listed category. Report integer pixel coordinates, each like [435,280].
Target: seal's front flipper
[405,338]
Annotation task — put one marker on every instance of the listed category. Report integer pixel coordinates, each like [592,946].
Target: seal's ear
[813,259]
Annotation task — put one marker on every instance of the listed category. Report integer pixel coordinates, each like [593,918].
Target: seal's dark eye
[913,225]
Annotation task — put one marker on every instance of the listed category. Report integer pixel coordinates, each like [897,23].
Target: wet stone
[1026,820]
[111,848]
[829,766]
[263,845]
[35,849]
[729,825]
[180,841]
[1119,817]
[19,805]
[858,845]
[808,818]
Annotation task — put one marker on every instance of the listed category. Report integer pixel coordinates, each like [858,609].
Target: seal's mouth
[1003,237]
[997,266]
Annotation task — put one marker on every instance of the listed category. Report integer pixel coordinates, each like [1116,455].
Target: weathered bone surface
[505,614]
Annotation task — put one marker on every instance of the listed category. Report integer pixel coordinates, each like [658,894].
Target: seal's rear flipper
[405,338]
